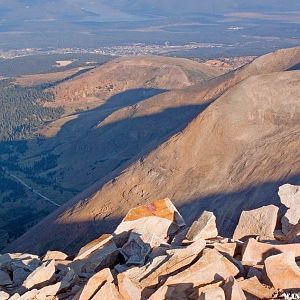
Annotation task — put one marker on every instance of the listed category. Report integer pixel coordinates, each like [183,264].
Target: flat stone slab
[211,267]
[258,222]
[41,277]
[93,284]
[99,254]
[56,255]
[204,228]
[256,252]
[253,287]
[282,271]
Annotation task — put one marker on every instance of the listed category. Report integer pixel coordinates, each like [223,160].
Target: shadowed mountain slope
[229,158]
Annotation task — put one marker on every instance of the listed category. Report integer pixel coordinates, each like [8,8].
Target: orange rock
[156,223]
[215,293]
[283,271]
[228,248]
[93,284]
[128,290]
[94,243]
[256,252]
[56,255]
[108,291]
[232,290]
[252,287]
[163,208]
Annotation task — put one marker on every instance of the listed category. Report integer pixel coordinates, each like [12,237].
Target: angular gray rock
[135,251]
[4,279]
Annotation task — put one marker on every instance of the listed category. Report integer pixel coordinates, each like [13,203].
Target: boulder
[176,259]
[142,275]
[55,255]
[94,284]
[4,259]
[159,219]
[5,279]
[225,248]
[256,252]
[258,222]
[215,293]
[19,275]
[204,228]
[47,292]
[94,244]
[127,288]
[107,291]
[68,280]
[289,194]
[135,251]
[25,261]
[211,267]
[96,256]
[253,288]
[282,271]
[70,293]
[41,277]
[290,197]
[232,290]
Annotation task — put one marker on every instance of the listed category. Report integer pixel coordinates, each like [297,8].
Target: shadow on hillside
[226,206]
[294,68]
[114,103]
[109,148]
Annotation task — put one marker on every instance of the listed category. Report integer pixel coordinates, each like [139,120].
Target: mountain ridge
[176,168]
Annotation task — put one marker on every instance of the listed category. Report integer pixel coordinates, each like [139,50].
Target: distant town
[124,50]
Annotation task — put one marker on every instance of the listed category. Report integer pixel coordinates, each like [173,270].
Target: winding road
[30,188]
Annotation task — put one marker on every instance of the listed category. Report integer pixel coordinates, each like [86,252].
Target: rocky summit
[153,255]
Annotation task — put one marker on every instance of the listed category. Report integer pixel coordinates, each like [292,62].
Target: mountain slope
[131,73]
[231,157]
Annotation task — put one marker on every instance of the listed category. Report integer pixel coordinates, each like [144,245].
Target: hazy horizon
[94,24]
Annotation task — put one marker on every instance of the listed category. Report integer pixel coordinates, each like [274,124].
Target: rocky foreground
[154,255]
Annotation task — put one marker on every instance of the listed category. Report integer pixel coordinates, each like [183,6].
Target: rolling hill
[229,155]
[92,123]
